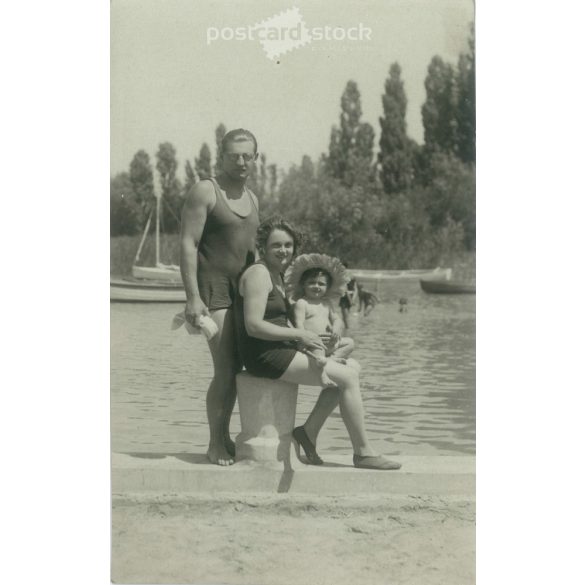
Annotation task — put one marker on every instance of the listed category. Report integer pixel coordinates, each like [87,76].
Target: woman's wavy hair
[277,222]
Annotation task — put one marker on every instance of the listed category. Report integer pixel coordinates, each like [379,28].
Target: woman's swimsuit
[226,247]
[261,357]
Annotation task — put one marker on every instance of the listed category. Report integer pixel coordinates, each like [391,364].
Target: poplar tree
[439,112]
[272,180]
[172,201]
[351,144]
[466,102]
[142,182]
[395,157]
[203,162]
[220,132]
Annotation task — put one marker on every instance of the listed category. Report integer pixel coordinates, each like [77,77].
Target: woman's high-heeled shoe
[300,436]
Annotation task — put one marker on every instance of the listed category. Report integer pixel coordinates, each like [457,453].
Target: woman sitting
[269,346]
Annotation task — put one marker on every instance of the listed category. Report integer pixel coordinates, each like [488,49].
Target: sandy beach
[284,539]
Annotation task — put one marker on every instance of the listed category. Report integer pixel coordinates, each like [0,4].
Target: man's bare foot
[230,446]
[219,455]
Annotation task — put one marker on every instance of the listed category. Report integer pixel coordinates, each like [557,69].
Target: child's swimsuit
[265,358]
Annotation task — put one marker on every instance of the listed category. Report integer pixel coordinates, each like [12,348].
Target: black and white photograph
[292,292]
[341,341]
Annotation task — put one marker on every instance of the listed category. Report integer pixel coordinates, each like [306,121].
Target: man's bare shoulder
[253,195]
[201,193]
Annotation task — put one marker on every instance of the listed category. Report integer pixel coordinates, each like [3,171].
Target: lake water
[418,378]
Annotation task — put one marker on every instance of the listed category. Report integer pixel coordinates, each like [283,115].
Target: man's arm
[199,201]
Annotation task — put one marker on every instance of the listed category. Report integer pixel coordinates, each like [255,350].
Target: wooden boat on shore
[160,273]
[388,275]
[447,287]
[133,291]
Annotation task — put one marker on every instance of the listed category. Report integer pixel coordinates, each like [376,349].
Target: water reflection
[418,378]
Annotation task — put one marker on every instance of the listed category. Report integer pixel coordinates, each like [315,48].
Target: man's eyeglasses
[232,157]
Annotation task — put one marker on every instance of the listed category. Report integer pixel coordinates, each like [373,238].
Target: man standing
[218,235]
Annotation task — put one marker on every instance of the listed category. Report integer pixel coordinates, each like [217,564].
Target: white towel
[207,325]
[179,320]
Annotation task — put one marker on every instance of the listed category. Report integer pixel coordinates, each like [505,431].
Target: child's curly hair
[316,272]
[277,222]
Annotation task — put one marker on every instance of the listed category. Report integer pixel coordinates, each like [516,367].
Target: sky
[171,81]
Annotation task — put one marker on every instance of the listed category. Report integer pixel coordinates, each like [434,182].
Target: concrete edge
[192,474]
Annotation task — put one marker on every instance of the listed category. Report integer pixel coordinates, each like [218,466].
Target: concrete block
[267,414]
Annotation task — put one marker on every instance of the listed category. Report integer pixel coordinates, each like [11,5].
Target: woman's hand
[310,340]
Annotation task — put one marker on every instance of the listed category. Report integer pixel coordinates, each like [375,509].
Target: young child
[315,282]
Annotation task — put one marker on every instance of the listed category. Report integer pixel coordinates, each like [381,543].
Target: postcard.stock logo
[287,31]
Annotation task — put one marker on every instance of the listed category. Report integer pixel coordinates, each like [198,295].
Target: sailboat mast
[157,247]
[143,238]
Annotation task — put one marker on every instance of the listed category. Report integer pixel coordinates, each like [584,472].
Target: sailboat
[160,283]
[159,272]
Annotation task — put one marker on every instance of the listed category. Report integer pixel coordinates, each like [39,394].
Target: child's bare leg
[319,356]
[343,349]
[342,352]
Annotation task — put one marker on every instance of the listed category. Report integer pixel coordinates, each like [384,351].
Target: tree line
[404,205]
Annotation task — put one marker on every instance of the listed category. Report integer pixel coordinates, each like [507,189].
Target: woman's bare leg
[326,404]
[302,370]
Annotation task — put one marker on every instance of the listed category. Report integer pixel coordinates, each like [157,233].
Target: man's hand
[194,308]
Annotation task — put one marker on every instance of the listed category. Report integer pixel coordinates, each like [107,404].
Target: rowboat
[447,287]
[384,275]
[132,291]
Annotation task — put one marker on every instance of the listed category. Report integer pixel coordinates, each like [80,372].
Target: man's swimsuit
[226,248]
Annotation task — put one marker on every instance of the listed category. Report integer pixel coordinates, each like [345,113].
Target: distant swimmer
[367,299]
[403,302]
